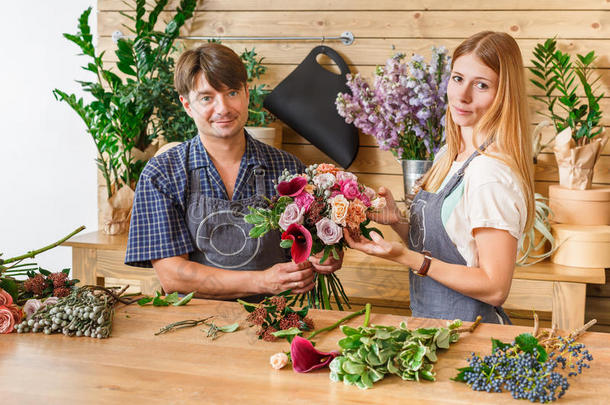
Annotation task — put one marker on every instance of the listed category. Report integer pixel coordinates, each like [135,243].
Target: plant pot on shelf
[576,163]
[582,245]
[270,135]
[115,212]
[580,207]
[412,171]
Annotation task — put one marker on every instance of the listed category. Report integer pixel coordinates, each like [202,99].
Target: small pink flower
[324,180]
[278,360]
[301,242]
[345,176]
[293,187]
[350,190]
[369,192]
[7,320]
[306,358]
[365,200]
[31,306]
[5,298]
[304,200]
[50,301]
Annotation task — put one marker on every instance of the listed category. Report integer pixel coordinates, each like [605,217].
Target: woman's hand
[390,214]
[377,247]
[329,266]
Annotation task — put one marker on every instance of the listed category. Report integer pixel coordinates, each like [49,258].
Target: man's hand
[288,276]
[329,266]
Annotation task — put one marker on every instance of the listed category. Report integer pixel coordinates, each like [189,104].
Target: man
[188,211]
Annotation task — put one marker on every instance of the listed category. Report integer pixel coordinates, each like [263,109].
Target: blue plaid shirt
[158,222]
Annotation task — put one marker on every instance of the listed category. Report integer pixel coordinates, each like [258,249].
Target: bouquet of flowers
[405,108]
[312,210]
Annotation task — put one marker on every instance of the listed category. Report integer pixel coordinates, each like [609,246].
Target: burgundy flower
[306,358]
[301,242]
[293,187]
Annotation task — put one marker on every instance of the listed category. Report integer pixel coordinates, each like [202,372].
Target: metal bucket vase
[412,170]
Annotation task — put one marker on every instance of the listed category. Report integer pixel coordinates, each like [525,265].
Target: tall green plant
[257,115]
[130,112]
[559,78]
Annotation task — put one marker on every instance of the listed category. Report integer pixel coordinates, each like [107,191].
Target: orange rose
[339,206]
[327,168]
[356,214]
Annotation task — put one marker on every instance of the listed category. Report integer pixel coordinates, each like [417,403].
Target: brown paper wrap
[116,213]
[576,163]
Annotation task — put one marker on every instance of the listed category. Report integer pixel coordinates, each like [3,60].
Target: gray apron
[429,298]
[220,234]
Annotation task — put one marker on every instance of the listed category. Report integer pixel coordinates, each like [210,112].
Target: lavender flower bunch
[405,108]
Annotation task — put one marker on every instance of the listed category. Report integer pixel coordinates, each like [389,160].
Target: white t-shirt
[488,197]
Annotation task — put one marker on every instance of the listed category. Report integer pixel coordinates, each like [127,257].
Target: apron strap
[195,182]
[457,177]
[259,176]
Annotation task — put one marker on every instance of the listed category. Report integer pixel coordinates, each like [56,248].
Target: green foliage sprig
[559,78]
[170,299]
[257,115]
[371,353]
[130,113]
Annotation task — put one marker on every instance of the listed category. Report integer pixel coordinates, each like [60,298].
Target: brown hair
[506,121]
[219,64]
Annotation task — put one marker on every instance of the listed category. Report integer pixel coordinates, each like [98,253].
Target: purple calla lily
[306,358]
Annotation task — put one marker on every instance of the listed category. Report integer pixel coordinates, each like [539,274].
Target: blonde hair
[506,122]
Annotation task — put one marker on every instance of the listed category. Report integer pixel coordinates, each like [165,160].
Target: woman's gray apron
[220,234]
[429,298]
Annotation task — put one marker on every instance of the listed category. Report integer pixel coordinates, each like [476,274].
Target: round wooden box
[582,246]
[580,207]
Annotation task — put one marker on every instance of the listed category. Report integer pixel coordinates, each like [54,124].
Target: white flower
[339,206]
[278,360]
[324,180]
[292,215]
[378,203]
[328,232]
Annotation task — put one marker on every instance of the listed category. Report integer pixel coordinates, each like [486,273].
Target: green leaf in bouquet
[160,302]
[351,367]
[325,255]
[10,286]
[258,231]
[255,219]
[350,342]
[288,333]
[348,330]
[286,243]
[335,254]
[44,272]
[66,271]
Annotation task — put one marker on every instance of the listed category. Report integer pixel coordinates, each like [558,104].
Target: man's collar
[199,155]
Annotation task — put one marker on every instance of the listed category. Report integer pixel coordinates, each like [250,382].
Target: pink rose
[50,301]
[292,215]
[304,200]
[7,320]
[5,298]
[350,189]
[346,176]
[31,306]
[278,360]
[329,232]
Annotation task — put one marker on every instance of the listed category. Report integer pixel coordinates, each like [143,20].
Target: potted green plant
[580,137]
[129,113]
[259,118]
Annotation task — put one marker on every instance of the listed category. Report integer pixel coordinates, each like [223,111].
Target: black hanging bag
[305,101]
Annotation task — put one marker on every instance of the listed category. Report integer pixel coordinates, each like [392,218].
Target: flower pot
[580,207]
[581,245]
[116,212]
[270,135]
[412,171]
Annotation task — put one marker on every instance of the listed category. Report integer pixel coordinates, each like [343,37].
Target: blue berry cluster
[527,371]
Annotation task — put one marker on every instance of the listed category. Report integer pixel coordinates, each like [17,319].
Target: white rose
[345,176]
[324,180]
[339,206]
[278,360]
[378,203]
[291,215]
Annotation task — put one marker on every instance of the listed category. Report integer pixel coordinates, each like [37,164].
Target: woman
[477,199]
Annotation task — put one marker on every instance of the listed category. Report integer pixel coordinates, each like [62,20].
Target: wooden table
[184,366]
[543,287]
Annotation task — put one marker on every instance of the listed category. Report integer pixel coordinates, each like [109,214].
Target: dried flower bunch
[405,108]
[312,210]
[273,316]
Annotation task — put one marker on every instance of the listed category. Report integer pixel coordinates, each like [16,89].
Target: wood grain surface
[184,366]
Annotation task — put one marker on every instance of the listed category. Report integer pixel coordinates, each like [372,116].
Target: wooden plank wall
[382,28]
